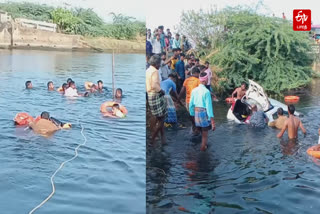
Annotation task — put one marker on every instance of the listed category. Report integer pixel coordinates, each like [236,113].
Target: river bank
[13,36]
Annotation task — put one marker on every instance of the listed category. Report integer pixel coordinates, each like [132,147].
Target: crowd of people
[172,76]
[181,80]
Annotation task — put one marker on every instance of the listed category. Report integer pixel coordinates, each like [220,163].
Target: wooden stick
[113,74]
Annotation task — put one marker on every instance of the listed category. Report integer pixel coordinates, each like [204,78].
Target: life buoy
[23,119]
[60,89]
[109,104]
[314,151]
[291,98]
[229,100]
[88,85]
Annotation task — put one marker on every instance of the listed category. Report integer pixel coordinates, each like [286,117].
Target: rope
[60,167]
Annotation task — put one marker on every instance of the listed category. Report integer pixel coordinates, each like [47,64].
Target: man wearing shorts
[200,107]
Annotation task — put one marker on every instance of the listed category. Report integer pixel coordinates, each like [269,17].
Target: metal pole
[113,73]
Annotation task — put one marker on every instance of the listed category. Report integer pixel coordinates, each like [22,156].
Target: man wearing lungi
[200,107]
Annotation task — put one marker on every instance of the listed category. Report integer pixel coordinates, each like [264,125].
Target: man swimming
[118,93]
[100,85]
[71,91]
[50,86]
[47,125]
[292,124]
[28,84]
[241,91]
[279,122]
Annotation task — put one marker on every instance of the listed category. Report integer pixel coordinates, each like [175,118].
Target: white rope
[60,167]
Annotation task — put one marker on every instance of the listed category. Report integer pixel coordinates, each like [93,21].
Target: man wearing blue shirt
[200,107]
[180,69]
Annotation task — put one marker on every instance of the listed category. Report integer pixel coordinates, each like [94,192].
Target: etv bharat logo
[302,20]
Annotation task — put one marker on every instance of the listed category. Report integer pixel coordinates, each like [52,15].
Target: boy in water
[278,123]
[292,124]
[118,93]
[116,111]
[28,84]
[50,86]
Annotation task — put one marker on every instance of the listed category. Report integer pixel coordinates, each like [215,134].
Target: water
[109,174]
[243,171]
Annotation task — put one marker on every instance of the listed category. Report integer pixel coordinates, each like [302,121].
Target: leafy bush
[252,46]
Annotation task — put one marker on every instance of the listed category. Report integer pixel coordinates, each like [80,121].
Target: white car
[256,95]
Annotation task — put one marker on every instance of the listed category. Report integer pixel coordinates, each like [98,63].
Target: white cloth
[70,92]
[156,46]
[209,73]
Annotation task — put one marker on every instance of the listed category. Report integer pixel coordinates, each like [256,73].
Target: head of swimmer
[115,108]
[100,85]
[64,86]
[243,86]
[45,115]
[280,112]
[291,109]
[72,84]
[118,93]
[28,84]
[50,86]
[93,88]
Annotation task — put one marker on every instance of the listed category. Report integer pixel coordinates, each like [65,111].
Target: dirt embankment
[14,36]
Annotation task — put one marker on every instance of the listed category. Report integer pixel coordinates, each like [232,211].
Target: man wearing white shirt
[71,91]
[156,45]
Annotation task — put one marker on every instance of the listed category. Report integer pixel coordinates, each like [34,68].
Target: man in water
[292,124]
[50,86]
[71,91]
[258,118]
[156,98]
[188,85]
[201,108]
[47,125]
[118,93]
[28,84]
[279,122]
[116,111]
[100,85]
[241,91]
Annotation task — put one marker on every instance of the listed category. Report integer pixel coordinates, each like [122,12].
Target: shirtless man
[292,124]
[279,123]
[241,91]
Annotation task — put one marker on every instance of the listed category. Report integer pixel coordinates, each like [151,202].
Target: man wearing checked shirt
[200,107]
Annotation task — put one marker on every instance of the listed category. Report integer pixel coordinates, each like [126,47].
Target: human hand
[213,125]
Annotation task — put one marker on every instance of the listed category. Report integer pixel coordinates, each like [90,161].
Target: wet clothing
[190,84]
[258,119]
[167,86]
[201,98]
[278,123]
[70,92]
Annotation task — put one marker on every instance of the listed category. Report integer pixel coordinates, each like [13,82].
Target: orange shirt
[190,83]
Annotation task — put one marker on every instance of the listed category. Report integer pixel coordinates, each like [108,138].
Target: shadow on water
[108,176]
[244,170]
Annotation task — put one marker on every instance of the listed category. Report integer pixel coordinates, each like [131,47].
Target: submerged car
[240,111]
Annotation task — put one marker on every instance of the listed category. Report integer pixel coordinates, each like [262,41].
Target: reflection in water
[108,176]
[244,170]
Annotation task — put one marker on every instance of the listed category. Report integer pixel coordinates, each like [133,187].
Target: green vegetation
[78,20]
[245,45]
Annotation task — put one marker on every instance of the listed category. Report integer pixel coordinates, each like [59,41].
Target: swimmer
[100,85]
[93,88]
[63,88]
[116,111]
[292,124]
[28,84]
[71,91]
[241,91]
[279,122]
[50,86]
[118,93]
[47,124]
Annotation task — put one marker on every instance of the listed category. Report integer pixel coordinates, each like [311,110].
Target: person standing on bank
[200,107]
[156,99]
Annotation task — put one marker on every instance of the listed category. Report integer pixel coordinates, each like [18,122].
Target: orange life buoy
[23,119]
[229,100]
[291,98]
[314,151]
[105,105]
